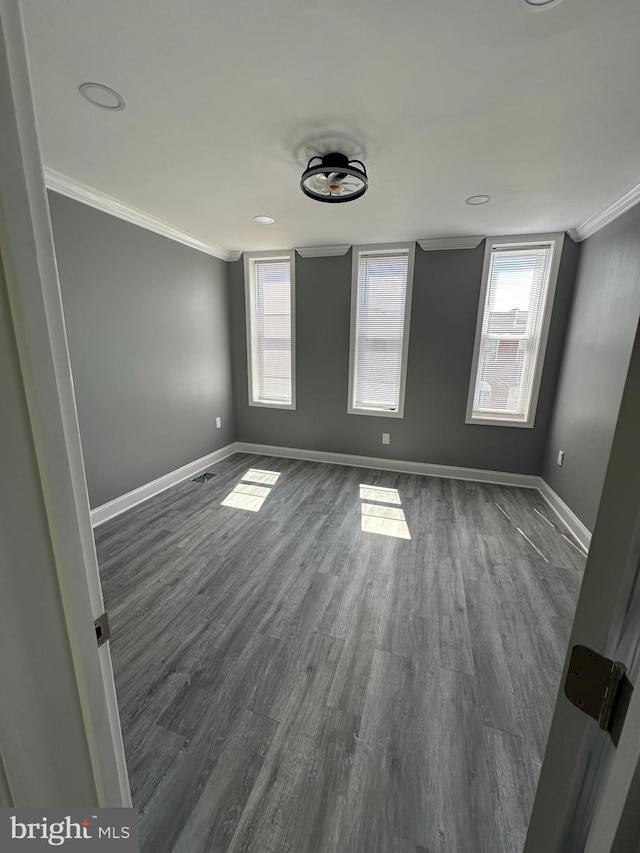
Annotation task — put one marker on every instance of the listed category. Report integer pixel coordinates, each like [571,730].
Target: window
[380,310]
[270,301]
[516,299]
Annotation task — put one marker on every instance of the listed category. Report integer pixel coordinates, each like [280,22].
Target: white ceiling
[446,98]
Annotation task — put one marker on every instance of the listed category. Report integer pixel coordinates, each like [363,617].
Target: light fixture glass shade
[334,179]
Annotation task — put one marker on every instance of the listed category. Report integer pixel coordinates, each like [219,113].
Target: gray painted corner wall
[594,368]
[147,326]
[443,319]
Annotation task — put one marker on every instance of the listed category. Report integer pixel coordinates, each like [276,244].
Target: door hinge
[103,629]
[600,687]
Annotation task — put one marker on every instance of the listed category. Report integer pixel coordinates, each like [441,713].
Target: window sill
[376,413]
[261,404]
[501,422]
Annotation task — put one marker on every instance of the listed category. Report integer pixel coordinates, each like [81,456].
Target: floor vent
[206,476]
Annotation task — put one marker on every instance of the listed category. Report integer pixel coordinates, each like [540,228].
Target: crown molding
[432,244]
[71,188]
[615,208]
[322,251]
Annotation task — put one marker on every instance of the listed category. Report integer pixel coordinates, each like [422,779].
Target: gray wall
[147,324]
[443,319]
[598,348]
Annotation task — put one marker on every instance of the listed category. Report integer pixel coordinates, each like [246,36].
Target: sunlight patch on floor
[255,475]
[380,519]
[385,527]
[258,491]
[238,500]
[393,512]
[379,493]
[249,496]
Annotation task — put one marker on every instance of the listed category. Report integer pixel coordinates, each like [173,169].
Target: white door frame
[28,258]
[615,824]
[578,755]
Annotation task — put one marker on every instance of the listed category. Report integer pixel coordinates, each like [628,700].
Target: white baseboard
[119,505]
[502,478]
[193,469]
[566,515]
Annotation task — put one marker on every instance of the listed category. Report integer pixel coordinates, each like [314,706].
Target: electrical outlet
[218,423]
[386,438]
[560,458]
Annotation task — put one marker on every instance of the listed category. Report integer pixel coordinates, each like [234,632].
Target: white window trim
[249,290]
[504,242]
[380,249]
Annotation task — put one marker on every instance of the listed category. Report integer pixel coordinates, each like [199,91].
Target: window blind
[272,331]
[379,331]
[514,311]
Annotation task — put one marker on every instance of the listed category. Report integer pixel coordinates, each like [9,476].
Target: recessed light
[264,220]
[477,199]
[539,4]
[102,96]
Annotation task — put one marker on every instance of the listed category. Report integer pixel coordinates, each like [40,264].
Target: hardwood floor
[296,676]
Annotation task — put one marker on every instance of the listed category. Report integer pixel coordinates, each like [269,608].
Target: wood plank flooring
[295,676]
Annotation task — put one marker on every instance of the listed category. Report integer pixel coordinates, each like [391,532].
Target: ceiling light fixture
[477,199]
[102,96]
[264,220]
[538,4]
[334,179]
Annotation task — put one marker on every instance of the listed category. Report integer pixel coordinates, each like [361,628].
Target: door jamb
[28,256]
[576,752]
